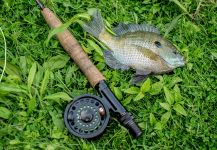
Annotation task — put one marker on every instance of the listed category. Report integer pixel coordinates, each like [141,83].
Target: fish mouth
[177,63]
[180,63]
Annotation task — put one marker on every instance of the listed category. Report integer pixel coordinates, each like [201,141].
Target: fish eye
[158,44]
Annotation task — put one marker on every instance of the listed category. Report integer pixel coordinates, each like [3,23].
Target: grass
[175,111]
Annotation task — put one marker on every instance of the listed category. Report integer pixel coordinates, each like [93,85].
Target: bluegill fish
[140,47]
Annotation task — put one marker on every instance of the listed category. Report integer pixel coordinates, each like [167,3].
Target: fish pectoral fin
[140,76]
[123,28]
[112,62]
[147,53]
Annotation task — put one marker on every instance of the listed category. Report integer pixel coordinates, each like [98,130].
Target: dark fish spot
[158,44]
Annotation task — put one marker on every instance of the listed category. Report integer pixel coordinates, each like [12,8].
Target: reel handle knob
[128,122]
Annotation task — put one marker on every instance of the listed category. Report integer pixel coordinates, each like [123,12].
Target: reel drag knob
[86,116]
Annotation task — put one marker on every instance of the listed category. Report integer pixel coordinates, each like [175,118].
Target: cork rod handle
[73,48]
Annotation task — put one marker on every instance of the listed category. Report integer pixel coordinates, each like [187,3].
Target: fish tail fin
[95,26]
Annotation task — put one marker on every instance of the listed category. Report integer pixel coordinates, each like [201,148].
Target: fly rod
[87,116]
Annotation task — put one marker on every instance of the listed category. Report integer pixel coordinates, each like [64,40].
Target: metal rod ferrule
[40,4]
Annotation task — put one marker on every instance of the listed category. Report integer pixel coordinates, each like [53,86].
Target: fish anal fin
[123,28]
[112,62]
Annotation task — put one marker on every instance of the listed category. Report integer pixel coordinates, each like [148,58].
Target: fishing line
[5,63]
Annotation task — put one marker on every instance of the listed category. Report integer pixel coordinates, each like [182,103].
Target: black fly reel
[86,116]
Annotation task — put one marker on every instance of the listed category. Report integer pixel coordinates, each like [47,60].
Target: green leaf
[181,102]
[10,68]
[156,88]
[31,76]
[165,117]
[178,96]
[70,73]
[39,75]
[95,47]
[9,3]
[165,106]
[139,96]
[11,88]
[118,93]
[180,6]
[87,50]
[146,86]
[55,31]
[195,27]
[100,66]
[12,79]
[29,60]
[142,125]
[23,65]
[59,95]
[159,77]
[169,96]
[58,122]
[44,82]
[127,100]
[98,58]
[56,62]
[4,113]
[189,66]
[108,27]
[76,92]
[175,81]
[214,54]
[153,120]
[5,101]
[14,142]
[132,90]
[172,24]
[179,109]
[77,18]
[159,126]
[31,105]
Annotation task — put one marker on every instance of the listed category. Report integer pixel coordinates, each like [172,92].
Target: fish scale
[133,58]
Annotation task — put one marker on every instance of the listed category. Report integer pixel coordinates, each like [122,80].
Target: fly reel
[87,116]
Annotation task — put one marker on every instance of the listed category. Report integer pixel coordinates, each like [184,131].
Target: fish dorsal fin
[123,28]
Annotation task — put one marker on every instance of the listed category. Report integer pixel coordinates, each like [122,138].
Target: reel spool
[87,116]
